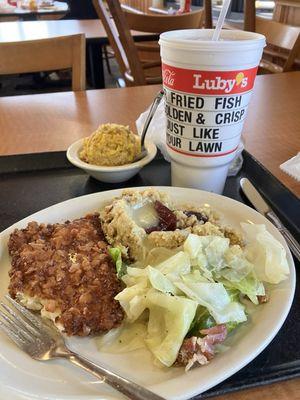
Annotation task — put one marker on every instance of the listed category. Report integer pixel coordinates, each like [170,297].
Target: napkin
[292,167]
[157,131]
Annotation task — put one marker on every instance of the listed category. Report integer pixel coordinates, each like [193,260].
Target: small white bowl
[110,174]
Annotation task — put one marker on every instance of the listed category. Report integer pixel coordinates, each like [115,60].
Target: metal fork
[42,341]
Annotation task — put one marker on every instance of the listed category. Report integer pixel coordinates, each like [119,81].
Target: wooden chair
[133,69]
[283,43]
[46,55]
[140,5]
[249,15]
[208,24]
[149,52]
[162,23]
[287,12]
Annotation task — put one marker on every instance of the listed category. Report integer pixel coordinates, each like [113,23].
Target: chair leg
[94,51]
[106,59]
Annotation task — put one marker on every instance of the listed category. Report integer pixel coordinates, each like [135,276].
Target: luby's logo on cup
[220,84]
[208,82]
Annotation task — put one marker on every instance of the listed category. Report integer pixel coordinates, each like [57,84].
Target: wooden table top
[19,31]
[49,122]
[272,127]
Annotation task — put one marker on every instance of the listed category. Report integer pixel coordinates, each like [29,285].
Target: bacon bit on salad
[215,330]
[216,334]
[263,299]
[201,349]
[167,219]
[188,351]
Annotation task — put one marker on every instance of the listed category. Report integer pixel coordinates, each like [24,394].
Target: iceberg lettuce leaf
[215,298]
[128,337]
[159,281]
[206,250]
[194,276]
[170,318]
[176,265]
[237,266]
[233,312]
[215,251]
[266,253]
[133,300]
[193,245]
[249,286]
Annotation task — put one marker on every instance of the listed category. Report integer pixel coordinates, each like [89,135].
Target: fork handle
[123,385]
[150,115]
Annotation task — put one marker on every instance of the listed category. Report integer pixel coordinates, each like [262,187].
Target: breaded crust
[67,268]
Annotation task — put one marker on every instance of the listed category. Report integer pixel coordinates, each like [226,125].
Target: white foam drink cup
[207,87]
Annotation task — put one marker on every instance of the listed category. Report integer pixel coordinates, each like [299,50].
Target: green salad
[181,304]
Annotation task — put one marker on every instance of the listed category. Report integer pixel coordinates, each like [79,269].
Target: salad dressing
[145,216]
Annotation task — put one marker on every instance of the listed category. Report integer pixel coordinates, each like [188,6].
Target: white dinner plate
[24,378]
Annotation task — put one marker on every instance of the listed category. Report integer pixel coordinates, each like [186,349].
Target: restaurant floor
[16,85]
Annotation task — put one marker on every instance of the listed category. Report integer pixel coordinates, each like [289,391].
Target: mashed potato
[110,145]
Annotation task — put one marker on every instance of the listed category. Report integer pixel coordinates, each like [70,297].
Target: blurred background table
[32,30]
[57,11]
[95,34]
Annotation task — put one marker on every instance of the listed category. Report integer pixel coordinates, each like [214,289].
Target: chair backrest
[141,5]
[162,23]
[46,55]
[120,38]
[280,35]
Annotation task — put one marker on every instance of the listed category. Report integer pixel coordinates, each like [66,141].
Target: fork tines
[19,324]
